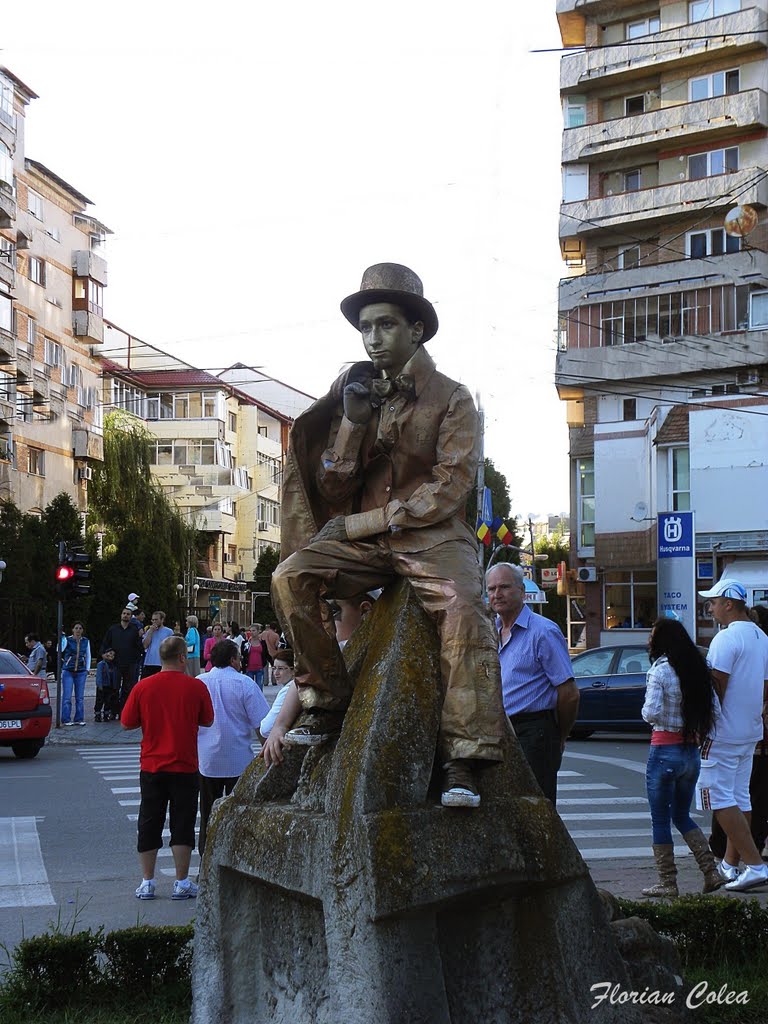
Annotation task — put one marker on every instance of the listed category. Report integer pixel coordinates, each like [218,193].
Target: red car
[25,707]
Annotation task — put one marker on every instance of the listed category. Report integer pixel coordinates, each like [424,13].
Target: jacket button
[391,408]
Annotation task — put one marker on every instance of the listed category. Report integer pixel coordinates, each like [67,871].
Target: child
[105,708]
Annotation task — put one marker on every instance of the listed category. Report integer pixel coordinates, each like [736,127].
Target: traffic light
[65,575]
[73,573]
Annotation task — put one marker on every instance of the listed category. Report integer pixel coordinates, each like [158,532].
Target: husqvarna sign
[676,569]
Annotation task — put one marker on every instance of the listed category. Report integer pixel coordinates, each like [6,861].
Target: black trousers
[126,676]
[539,736]
[210,790]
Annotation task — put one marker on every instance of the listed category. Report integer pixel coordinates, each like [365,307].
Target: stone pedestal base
[336,890]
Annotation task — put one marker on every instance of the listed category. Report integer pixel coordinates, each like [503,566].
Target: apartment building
[218,455]
[52,276]
[663,341]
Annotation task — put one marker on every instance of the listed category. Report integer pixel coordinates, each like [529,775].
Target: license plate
[11,723]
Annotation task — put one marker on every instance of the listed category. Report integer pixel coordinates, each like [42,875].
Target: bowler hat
[392,282]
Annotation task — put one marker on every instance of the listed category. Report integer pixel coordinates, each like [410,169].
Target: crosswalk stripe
[569,775]
[572,787]
[624,852]
[595,802]
[129,803]
[126,789]
[23,878]
[609,833]
[605,815]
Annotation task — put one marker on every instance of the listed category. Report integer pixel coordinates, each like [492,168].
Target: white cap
[133,597]
[726,588]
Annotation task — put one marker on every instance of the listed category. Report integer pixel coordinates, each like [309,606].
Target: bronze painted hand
[357,403]
[334,529]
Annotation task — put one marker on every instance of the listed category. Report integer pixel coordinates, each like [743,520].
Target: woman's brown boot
[697,843]
[665,865]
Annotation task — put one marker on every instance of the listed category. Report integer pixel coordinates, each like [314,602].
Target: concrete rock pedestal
[336,890]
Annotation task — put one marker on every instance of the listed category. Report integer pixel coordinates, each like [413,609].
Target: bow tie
[383,387]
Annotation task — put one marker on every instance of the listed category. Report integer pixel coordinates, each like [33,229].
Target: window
[37,271]
[717,161]
[635,29]
[126,397]
[713,242]
[634,105]
[230,555]
[6,313]
[593,663]
[722,83]
[613,330]
[6,166]
[629,409]
[52,353]
[629,599]
[575,182]
[758,310]
[6,102]
[629,257]
[575,111]
[210,405]
[633,660]
[585,490]
[261,431]
[232,422]
[88,295]
[36,461]
[35,204]
[700,10]
[631,181]
[31,332]
[680,479]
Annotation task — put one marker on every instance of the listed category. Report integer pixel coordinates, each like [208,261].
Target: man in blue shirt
[540,696]
[153,637]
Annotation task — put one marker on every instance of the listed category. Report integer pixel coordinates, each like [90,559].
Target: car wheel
[581,734]
[27,748]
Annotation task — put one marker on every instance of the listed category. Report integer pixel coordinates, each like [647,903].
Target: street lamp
[3,567]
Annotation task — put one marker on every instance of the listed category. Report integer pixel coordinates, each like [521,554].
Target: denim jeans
[258,677]
[68,681]
[670,779]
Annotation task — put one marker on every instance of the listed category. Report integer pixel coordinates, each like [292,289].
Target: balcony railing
[702,119]
[684,44]
[748,185]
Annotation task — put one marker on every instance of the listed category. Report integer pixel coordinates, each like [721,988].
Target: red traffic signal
[64,573]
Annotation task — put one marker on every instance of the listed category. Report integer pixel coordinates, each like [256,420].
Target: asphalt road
[68,831]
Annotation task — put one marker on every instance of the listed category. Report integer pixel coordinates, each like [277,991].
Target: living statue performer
[376,483]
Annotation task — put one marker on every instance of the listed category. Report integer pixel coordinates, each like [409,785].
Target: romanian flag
[504,534]
[484,532]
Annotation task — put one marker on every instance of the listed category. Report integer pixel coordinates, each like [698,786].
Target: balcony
[7,347]
[7,208]
[651,205]
[23,361]
[213,521]
[87,264]
[702,41]
[88,444]
[649,360]
[674,275]
[88,325]
[701,122]
[8,269]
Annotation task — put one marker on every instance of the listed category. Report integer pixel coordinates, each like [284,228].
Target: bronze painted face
[389,339]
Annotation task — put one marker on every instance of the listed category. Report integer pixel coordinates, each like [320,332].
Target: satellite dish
[640,512]
[740,221]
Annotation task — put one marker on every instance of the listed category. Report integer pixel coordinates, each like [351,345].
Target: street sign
[549,577]
[676,568]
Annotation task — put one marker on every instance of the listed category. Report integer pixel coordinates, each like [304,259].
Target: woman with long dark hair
[681,706]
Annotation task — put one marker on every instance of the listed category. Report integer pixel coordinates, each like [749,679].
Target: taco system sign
[676,569]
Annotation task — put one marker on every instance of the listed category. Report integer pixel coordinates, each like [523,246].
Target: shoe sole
[459,800]
[746,888]
[183,896]
[142,896]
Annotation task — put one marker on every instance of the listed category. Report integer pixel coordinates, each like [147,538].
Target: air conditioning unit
[587,574]
[263,526]
[240,577]
[85,473]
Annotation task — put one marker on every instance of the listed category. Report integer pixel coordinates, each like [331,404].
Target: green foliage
[499,497]
[148,957]
[710,931]
[48,968]
[262,575]
[126,977]
[556,549]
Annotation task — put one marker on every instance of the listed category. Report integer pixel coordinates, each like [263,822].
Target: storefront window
[629,599]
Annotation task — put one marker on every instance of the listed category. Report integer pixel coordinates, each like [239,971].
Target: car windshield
[11,666]
[593,663]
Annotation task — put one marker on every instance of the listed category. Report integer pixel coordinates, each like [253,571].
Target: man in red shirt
[168,707]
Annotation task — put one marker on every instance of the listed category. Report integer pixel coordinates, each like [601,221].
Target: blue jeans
[258,678]
[68,680]
[670,779]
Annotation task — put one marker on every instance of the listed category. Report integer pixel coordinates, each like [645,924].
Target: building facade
[663,340]
[52,277]
[217,454]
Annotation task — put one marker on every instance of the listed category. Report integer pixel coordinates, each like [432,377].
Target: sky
[253,162]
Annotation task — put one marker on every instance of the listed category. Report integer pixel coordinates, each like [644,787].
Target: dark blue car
[611,682]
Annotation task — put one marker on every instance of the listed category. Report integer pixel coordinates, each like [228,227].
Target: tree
[499,488]
[557,550]
[262,575]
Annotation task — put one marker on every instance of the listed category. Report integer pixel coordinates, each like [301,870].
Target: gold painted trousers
[447,582]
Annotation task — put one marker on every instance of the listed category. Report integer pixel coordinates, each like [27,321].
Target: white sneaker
[146,890]
[727,871]
[752,876]
[184,890]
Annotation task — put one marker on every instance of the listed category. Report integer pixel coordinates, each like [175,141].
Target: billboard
[676,569]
